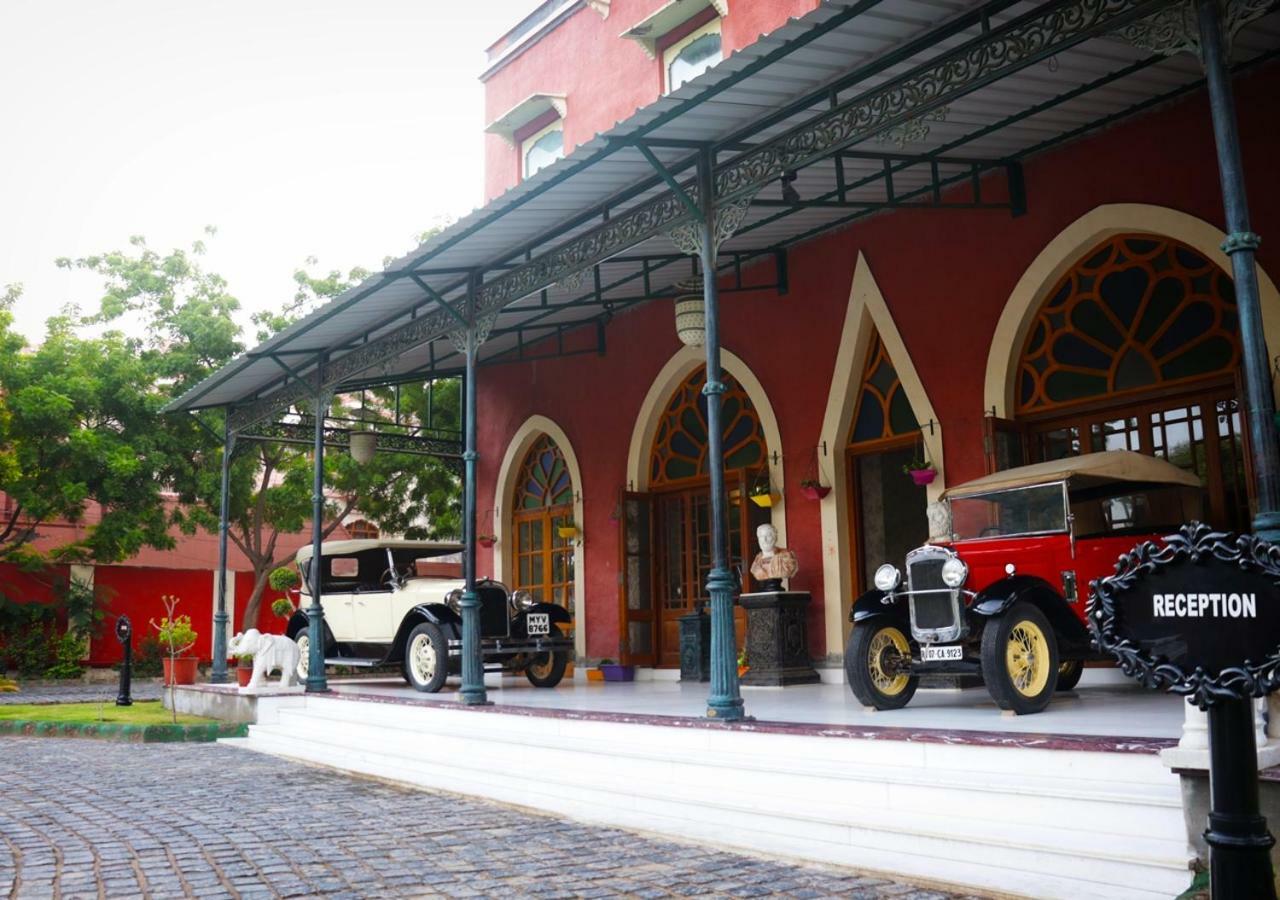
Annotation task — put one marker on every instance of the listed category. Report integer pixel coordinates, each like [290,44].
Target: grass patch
[143,712]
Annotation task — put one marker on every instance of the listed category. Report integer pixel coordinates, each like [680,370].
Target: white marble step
[968,815]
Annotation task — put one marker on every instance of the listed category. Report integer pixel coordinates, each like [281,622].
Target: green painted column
[316,682]
[1240,245]
[473,690]
[725,702]
[220,617]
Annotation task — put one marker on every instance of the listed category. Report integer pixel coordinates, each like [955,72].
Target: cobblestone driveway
[77,692]
[93,819]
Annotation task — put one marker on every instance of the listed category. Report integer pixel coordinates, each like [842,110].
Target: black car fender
[877,603]
[996,600]
[437,614]
[300,622]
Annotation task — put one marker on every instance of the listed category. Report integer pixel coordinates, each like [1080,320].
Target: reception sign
[1198,614]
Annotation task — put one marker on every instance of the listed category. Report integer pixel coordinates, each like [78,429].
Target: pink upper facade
[578,52]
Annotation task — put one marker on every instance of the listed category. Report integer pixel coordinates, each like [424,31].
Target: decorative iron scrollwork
[1190,544]
[1176,28]
[914,130]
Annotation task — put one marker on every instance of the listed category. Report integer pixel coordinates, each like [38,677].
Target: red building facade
[1098,319]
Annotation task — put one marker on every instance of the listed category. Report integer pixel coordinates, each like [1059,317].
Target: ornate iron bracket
[728,218]
[914,130]
[1176,29]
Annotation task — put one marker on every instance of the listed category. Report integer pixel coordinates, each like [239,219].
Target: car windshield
[1026,510]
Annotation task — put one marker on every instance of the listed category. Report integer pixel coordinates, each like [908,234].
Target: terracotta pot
[923,476]
[180,671]
[595,675]
[243,674]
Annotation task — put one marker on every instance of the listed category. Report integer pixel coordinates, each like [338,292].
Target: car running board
[353,661]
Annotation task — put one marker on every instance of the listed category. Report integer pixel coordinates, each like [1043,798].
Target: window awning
[860,106]
[671,14]
[526,111]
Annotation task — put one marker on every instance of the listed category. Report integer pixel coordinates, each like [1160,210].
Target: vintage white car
[392,602]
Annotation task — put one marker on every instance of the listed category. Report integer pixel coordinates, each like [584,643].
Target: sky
[329,128]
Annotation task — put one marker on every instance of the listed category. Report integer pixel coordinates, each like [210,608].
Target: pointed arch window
[883,410]
[679,448]
[542,505]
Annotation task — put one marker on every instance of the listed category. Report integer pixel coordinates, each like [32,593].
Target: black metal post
[1240,245]
[1239,843]
[316,681]
[725,701]
[473,691]
[124,633]
[220,617]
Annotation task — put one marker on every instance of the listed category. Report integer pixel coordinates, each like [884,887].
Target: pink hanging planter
[814,491]
[486,540]
[921,477]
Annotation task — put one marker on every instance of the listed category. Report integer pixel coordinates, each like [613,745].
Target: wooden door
[638,640]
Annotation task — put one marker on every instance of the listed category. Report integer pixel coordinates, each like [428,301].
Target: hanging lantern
[363,446]
[691,317]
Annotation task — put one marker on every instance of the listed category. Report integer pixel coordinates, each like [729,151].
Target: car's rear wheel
[303,640]
[1069,672]
[546,669]
[877,662]
[426,658]
[1020,659]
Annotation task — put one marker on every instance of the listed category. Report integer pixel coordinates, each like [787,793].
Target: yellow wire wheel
[888,649]
[877,664]
[1020,659]
[1027,658]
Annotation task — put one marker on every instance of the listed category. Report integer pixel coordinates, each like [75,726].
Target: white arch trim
[1061,253]
[677,369]
[503,558]
[866,312]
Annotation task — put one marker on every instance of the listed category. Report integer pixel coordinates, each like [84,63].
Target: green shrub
[282,607]
[175,634]
[68,657]
[147,657]
[28,636]
[284,579]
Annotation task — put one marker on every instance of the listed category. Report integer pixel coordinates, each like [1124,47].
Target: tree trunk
[249,619]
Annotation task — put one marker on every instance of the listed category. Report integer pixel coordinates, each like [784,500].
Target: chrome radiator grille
[935,611]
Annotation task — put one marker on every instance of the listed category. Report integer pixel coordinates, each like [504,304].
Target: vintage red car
[1005,597]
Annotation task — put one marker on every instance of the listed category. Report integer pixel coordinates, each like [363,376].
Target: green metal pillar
[1240,245]
[473,691]
[725,702]
[220,617]
[316,681]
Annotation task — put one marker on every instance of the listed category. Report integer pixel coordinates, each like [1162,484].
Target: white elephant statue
[270,651]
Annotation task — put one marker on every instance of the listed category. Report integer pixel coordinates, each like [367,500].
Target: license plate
[538,624]
[941,654]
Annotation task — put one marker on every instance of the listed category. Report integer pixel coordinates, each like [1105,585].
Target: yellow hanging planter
[568,532]
[763,500]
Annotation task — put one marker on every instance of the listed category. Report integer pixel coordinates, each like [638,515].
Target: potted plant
[616,672]
[743,668]
[813,489]
[244,668]
[176,636]
[761,492]
[921,471]
[486,540]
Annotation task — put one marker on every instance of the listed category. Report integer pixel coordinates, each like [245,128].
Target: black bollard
[124,633]
[1239,843]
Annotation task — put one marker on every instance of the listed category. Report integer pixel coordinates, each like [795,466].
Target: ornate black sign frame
[1192,542]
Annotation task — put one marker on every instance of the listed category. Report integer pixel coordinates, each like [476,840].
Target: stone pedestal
[695,647]
[778,639]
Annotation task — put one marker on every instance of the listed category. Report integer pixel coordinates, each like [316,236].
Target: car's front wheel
[546,669]
[877,662]
[426,658]
[1020,659]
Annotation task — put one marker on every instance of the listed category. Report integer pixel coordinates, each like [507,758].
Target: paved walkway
[79,692]
[90,819]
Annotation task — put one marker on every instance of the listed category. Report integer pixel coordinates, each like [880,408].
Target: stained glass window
[883,410]
[680,446]
[1138,312]
[544,477]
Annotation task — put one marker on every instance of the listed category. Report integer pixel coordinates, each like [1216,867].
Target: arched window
[1137,349]
[542,506]
[362,530]
[692,55]
[679,448]
[542,148]
[1139,312]
[883,410]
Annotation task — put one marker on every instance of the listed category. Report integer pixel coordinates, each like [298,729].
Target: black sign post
[124,634]
[1199,615]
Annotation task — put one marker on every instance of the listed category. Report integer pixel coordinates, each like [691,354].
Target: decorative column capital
[470,456]
[1240,240]
[479,331]
[713,387]
[1176,29]
[727,219]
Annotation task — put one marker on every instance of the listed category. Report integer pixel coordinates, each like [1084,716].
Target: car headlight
[954,572]
[521,600]
[888,577]
[454,599]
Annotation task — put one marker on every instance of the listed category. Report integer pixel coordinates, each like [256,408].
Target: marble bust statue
[772,563]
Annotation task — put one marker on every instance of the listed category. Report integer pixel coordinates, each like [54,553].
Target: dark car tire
[426,658]
[1020,659]
[1069,672]
[547,669]
[869,644]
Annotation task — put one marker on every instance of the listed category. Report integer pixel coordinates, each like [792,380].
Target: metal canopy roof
[859,106]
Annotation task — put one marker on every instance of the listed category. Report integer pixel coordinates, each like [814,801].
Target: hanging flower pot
[363,446]
[486,540]
[691,317]
[812,490]
[923,476]
[568,532]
